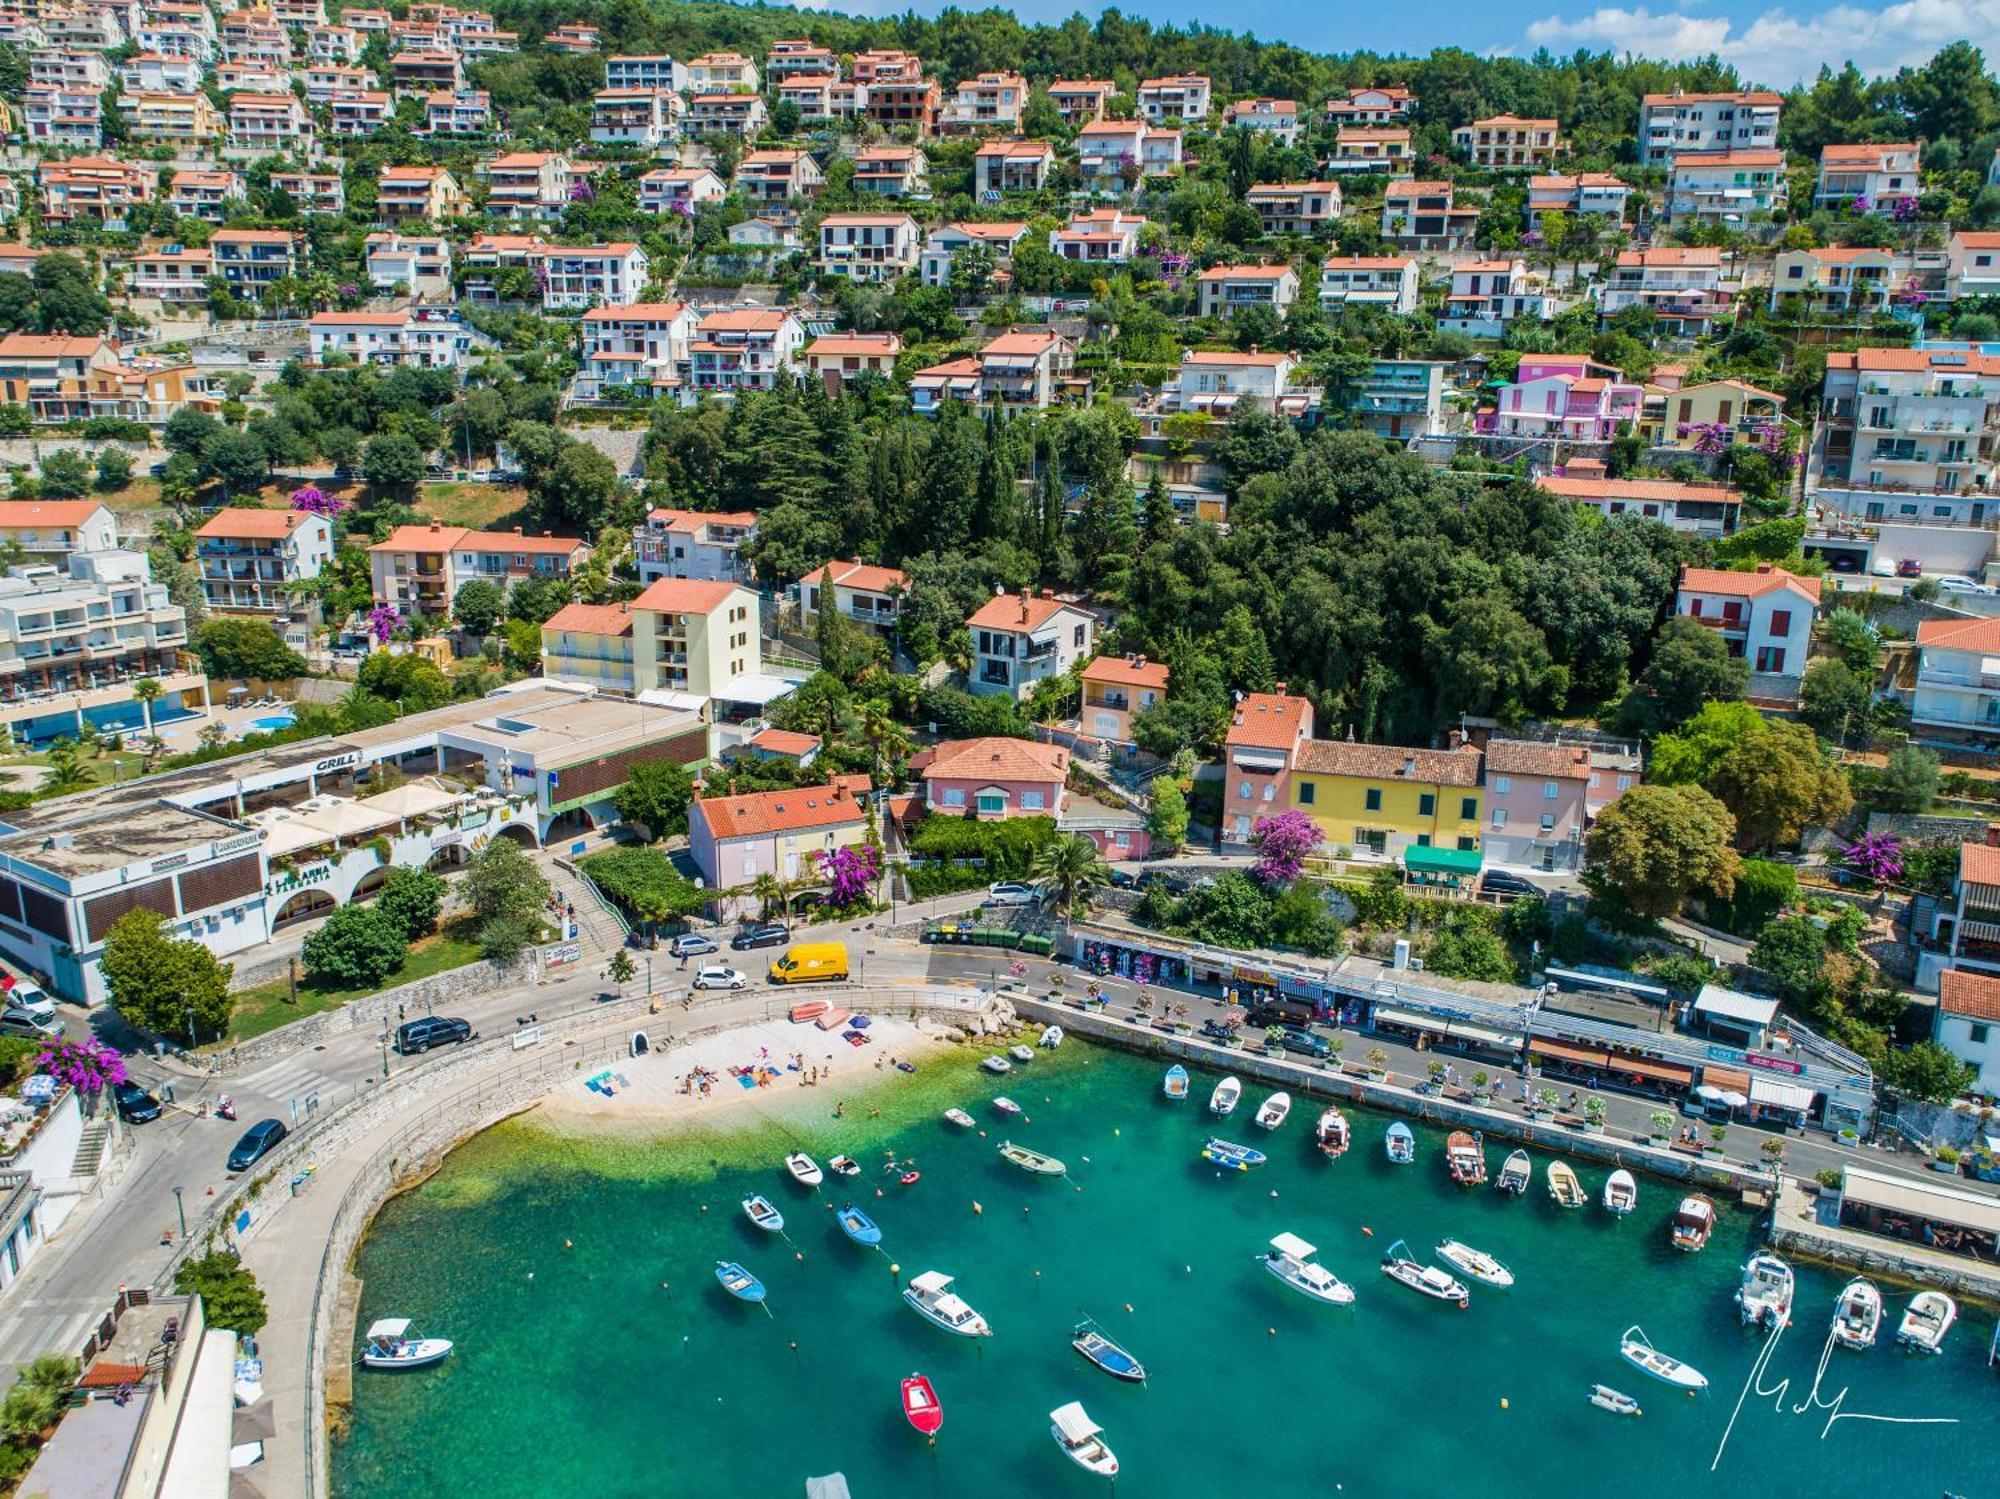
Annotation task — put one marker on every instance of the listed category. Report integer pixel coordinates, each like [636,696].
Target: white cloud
[1777,47]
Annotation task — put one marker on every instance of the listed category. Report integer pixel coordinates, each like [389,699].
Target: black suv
[1500,882]
[764,934]
[135,1104]
[258,1141]
[418,1036]
[1283,1011]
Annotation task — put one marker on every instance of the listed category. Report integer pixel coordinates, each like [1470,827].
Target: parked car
[1173,884]
[1124,879]
[415,1037]
[1955,582]
[26,994]
[691,945]
[135,1104]
[721,976]
[258,1141]
[1009,893]
[1306,1043]
[762,934]
[1909,567]
[1283,1009]
[1884,568]
[35,1027]
[1504,882]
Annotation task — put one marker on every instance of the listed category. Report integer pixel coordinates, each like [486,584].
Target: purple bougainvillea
[1876,857]
[87,1066]
[383,623]
[315,501]
[1282,845]
[1709,437]
[851,872]
[1905,210]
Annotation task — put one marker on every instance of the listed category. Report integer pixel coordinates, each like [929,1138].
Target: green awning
[1420,860]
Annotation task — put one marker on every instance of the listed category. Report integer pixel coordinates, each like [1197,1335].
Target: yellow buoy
[1503,1402]
[978,1209]
[895,1269]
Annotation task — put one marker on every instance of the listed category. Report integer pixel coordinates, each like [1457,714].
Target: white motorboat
[1639,1352]
[1222,1102]
[391,1346]
[1621,1192]
[1517,1173]
[1694,1221]
[1274,1110]
[1007,1106]
[1290,1258]
[1051,1037]
[757,1208]
[1476,1263]
[1926,1320]
[1857,1315]
[1399,1144]
[1765,1295]
[958,1117]
[1564,1189]
[844,1165]
[931,1295]
[997,1065]
[1616,1401]
[1082,1440]
[1031,1161]
[1427,1280]
[1021,1053]
[1331,1133]
[804,1169]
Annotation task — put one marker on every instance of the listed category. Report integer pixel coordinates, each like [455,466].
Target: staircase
[599,928]
[90,1149]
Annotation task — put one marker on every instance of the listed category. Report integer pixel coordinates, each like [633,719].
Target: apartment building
[56,68]
[681,635]
[203,195]
[463,113]
[251,77]
[171,119]
[839,359]
[1370,106]
[250,260]
[573,36]
[1765,617]
[868,246]
[1295,207]
[908,103]
[1021,639]
[1420,215]
[269,125]
[890,172]
[52,530]
[741,115]
[1225,290]
[417,75]
[1674,122]
[1958,677]
[1375,280]
[1684,288]
[1509,143]
[987,101]
[580,276]
[64,379]
[428,193]
[694,544]
[1017,166]
[248,557]
[1277,118]
[643,117]
[799,57]
[1382,801]
[645,71]
[864,593]
[410,338]
[1116,689]
[422,567]
[637,346]
[501,262]
[1488,295]
[1127,150]
[1908,434]
[1867,178]
[772,179]
[363,112]
[945,241]
[334,44]
[178,277]
[1081,100]
[1584,192]
[327,81]
[1400,399]
[1106,235]
[1726,187]
[160,73]
[58,115]
[1014,371]
[736,840]
[748,348]
[822,96]
[1266,732]
[1218,381]
[418,263]
[1175,100]
[1570,397]
[722,73]
[313,192]
[679,190]
[1371,148]
[528,186]
[1540,800]
[1838,279]
[1709,510]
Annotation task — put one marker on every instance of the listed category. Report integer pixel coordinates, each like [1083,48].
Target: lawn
[483,506]
[269,1006]
[121,765]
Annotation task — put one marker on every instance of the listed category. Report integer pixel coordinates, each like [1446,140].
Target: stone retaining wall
[1881,1259]
[390,1006]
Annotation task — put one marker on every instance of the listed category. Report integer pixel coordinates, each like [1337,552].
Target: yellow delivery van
[810,962]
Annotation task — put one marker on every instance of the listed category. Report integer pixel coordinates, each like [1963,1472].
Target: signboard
[1775,1064]
[337,762]
[172,861]
[562,953]
[523,1039]
[238,844]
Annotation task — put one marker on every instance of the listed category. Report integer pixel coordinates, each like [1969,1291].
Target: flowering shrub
[1876,857]
[315,501]
[1905,210]
[87,1066]
[851,871]
[1282,845]
[1860,204]
[383,622]
[1709,437]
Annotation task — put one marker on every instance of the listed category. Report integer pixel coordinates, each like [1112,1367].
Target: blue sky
[1776,45]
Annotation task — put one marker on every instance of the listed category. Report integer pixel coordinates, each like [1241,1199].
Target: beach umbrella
[1709,1093]
[1734,1100]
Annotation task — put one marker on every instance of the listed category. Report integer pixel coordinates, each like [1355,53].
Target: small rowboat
[1223,1100]
[1021,1053]
[958,1117]
[858,1226]
[1107,1355]
[804,1169]
[998,1066]
[1006,1106]
[844,1165]
[1926,1320]
[1400,1144]
[1516,1172]
[1641,1354]
[1618,1403]
[1176,1084]
[1331,1134]
[910,1178]
[738,1282]
[760,1212]
[1032,1161]
[1621,1193]
[1082,1440]
[1230,1156]
[1564,1189]
[920,1405]
[1476,1263]
[1464,1158]
[1424,1279]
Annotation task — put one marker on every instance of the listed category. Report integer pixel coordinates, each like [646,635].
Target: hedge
[1008,844]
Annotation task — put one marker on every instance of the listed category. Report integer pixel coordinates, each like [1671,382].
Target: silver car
[721,976]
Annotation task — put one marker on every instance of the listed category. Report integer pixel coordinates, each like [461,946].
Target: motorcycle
[225,1107]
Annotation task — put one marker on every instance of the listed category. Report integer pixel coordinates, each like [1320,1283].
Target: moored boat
[738,1282]
[1857,1315]
[759,1211]
[958,1117]
[1399,1265]
[858,1226]
[997,1065]
[1616,1401]
[1082,1440]
[1231,1156]
[1051,1037]
[1222,1102]
[1476,1263]
[804,1169]
[930,1295]
[1926,1320]
[1007,1106]
[1516,1173]
[1021,1053]
[1175,1085]
[1464,1158]
[1764,1298]
[1089,1340]
[920,1405]
[1694,1221]
[390,1346]
[844,1165]
[1399,1144]
[1032,1161]
[1274,1110]
[1290,1258]
[1638,1351]
[1565,1191]
[1621,1193]
[1331,1134]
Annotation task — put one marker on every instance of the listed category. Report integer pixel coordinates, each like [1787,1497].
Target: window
[1594,778]
[1374,840]
[1978,1035]
[1548,822]
[992,803]
[1467,844]
[1550,791]
[1502,785]
[1372,799]
[1427,804]
[1270,791]
[1781,622]
[1031,801]
[1624,783]
[954,798]
[1423,840]
[1499,817]
[1306,792]
[1243,789]
[1077,639]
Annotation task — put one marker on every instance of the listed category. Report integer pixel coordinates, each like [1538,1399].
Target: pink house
[735,839]
[1567,396]
[1540,802]
[993,778]
[1115,688]
[1258,754]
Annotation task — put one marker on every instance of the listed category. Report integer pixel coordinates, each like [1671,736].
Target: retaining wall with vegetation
[374,1013]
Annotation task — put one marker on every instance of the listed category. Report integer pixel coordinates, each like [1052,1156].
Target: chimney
[1279,689]
[1047,593]
[1024,608]
[517,530]
[1409,765]
[1993,835]
[1453,739]
[1763,567]
[436,524]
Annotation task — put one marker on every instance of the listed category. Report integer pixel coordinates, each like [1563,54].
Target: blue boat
[738,1282]
[1176,1084]
[759,1211]
[1107,1355]
[1400,1143]
[1230,1156]
[858,1226]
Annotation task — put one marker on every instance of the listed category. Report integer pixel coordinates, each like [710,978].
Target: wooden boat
[1857,1315]
[1082,1441]
[1021,1053]
[1694,1221]
[1176,1084]
[1564,1189]
[1476,1263]
[844,1165]
[1764,1296]
[390,1346]
[1464,1158]
[930,1295]
[958,1117]
[804,1169]
[1607,1399]
[1230,1156]
[1331,1134]
[1089,1341]
[1516,1173]
[1641,1354]
[1007,1106]
[1290,1258]
[1621,1193]
[1222,1102]
[1400,1144]
[738,1282]
[997,1065]
[1427,1280]
[760,1212]
[1032,1161]
[920,1405]
[1926,1320]
[858,1226]
[1274,1110]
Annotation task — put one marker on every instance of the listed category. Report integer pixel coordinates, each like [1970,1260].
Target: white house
[641,345]
[1972,264]
[577,276]
[868,246]
[1217,381]
[1968,1023]
[1873,178]
[1108,235]
[1225,290]
[694,544]
[643,117]
[947,240]
[1011,166]
[1765,616]
[1277,118]
[420,263]
[1674,122]
[1021,639]
[1187,97]
[1487,295]
[679,190]
[1378,280]
[748,348]
[1726,187]
[1295,207]
[1958,675]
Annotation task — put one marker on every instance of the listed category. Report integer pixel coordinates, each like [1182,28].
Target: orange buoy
[1368,1231]
[977,1209]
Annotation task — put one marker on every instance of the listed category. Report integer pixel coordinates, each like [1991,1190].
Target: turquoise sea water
[578,1373]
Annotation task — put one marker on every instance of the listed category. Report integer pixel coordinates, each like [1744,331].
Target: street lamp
[193,1043]
[181,1210]
[385,1056]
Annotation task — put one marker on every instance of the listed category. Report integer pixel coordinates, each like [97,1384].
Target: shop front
[1789,1105]
[1141,965]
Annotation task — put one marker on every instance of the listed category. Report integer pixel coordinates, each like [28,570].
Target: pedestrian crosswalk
[293,1079]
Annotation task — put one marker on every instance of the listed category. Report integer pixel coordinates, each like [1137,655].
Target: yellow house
[680,635]
[1671,417]
[1378,800]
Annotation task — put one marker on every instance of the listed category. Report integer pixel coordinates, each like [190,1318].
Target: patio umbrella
[254,1423]
[1709,1093]
[1734,1100]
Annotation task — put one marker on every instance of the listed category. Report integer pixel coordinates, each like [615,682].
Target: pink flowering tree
[1876,857]
[1283,842]
[87,1066]
[851,872]
[313,500]
[383,622]
[1709,437]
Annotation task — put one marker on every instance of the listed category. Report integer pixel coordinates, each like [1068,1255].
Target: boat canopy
[1426,860]
[1073,1423]
[1293,1245]
[389,1327]
[828,1486]
[936,1282]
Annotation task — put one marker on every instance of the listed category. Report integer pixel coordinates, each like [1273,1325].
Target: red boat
[920,1404]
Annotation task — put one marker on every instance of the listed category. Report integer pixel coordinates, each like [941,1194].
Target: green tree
[1776,782]
[67,771]
[161,984]
[65,474]
[356,948]
[146,692]
[1927,1071]
[1835,699]
[246,648]
[1167,815]
[114,470]
[1468,946]
[1691,665]
[236,460]
[230,1295]
[412,899]
[524,646]
[477,606]
[1853,640]
[1657,845]
[507,894]
[656,793]
[1070,866]
[1909,781]
[392,462]
[1690,753]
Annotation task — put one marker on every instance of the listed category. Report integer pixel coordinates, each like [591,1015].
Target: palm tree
[1070,865]
[146,692]
[880,729]
[66,770]
[770,890]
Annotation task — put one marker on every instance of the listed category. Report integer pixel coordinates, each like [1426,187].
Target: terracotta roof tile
[1960,634]
[685,596]
[263,525]
[1978,864]
[1746,585]
[993,759]
[1388,762]
[591,619]
[1529,757]
[761,813]
[1973,995]
[1016,612]
[1268,720]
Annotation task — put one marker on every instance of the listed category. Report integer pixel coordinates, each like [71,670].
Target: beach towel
[746,1081]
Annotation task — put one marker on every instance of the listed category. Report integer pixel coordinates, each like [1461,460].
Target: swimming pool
[271,724]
